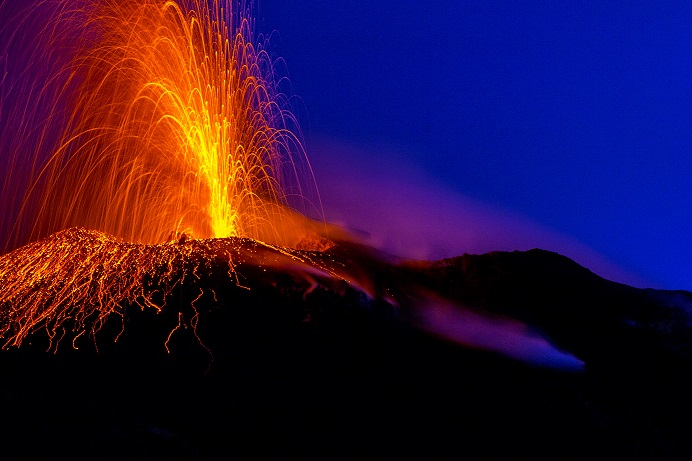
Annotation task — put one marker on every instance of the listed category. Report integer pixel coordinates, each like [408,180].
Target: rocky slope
[333,354]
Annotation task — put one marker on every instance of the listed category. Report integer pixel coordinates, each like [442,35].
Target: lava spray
[146,119]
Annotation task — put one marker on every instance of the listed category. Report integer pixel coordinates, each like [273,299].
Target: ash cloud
[395,207]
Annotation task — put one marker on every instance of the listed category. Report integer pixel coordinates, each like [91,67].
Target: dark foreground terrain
[327,372]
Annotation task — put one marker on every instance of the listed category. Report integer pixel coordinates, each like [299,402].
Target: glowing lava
[145,122]
[71,283]
[146,119]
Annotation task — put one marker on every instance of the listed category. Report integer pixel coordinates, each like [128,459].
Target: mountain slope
[331,354]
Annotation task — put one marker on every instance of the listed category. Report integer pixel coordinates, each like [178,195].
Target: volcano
[170,288]
[235,347]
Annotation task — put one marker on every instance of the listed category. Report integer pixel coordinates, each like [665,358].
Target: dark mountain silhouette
[329,355]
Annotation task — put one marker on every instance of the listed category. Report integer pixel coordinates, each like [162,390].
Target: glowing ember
[146,119]
[74,281]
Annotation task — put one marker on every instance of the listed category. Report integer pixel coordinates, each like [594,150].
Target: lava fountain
[146,119]
[127,126]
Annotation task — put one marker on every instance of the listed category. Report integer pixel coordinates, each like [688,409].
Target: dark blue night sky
[568,118]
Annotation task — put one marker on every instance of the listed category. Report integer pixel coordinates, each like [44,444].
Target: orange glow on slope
[71,283]
[170,122]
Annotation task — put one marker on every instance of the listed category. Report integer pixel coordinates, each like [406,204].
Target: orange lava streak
[74,281]
[174,124]
[147,121]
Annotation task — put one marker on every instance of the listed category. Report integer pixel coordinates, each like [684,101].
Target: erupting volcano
[148,121]
[162,238]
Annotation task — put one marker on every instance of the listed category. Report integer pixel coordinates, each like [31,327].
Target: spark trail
[124,125]
[146,119]
[73,282]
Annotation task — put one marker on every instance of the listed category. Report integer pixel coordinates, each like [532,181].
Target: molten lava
[146,119]
[71,283]
[145,122]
